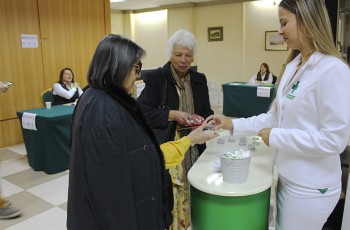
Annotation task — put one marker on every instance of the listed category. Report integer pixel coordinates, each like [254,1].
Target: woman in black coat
[116,178]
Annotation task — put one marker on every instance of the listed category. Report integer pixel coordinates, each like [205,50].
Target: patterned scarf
[186,105]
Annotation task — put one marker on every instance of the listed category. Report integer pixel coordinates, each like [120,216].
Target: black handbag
[167,133]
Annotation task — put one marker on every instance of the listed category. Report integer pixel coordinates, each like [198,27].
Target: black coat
[150,97]
[116,177]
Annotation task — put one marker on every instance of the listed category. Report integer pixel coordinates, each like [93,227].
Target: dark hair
[113,61]
[61,75]
[258,76]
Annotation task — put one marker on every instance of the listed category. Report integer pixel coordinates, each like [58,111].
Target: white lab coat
[68,94]
[311,125]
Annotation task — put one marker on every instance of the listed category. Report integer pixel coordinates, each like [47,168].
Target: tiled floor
[42,197]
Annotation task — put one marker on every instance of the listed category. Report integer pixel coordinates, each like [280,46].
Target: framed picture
[215,34]
[274,41]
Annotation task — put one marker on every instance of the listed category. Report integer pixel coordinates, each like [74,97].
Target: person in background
[263,76]
[66,90]
[187,103]
[117,174]
[7,211]
[309,123]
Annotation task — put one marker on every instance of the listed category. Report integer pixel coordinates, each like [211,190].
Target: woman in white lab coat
[309,123]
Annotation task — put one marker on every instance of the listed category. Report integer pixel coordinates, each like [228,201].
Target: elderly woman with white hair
[186,103]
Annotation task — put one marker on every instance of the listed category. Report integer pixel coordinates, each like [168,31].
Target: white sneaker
[9,212]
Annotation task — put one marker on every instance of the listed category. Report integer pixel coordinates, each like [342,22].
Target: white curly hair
[182,38]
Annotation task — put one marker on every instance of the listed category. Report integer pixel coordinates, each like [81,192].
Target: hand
[3,88]
[221,122]
[182,118]
[75,85]
[197,120]
[265,135]
[198,136]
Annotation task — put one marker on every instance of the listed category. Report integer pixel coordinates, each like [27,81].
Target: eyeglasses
[138,67]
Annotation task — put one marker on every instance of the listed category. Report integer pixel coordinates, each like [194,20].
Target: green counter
[241,100]
[216,204]
[210,212]
[48,147]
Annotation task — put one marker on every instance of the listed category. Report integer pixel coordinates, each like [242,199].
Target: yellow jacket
[174,151]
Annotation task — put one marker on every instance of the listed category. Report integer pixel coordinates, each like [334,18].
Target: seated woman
[263,76]
[66,90]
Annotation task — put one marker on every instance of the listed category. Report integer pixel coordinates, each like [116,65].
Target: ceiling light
[267,3]
[117,0]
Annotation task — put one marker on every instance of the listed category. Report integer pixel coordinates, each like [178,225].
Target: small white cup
[48,105]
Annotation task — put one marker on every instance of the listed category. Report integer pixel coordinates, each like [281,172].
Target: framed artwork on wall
[274,41]
[215,34]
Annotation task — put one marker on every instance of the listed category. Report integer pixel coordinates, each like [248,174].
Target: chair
[46,96]
[274,79]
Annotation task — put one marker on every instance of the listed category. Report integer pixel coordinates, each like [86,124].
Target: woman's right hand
[3,88]
[75,85]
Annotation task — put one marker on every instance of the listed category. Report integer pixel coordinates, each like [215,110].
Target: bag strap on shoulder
[165,85]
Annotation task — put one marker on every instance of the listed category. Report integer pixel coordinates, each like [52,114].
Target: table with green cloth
[48,147]
[241,100]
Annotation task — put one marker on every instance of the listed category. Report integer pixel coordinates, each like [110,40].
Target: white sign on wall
[29,40]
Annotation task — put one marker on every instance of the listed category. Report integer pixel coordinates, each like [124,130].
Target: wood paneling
[10,133]
[74,30]
[20,65]
[68,32]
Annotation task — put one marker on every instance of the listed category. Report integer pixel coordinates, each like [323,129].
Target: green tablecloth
[241,100]
[48,147]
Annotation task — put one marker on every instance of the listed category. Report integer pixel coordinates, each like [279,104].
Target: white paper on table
[217,166]
[263,91]
[28,121]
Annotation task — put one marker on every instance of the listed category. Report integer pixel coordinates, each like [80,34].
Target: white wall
[151,33]
[258,19]
[235,58]
[221,61]
[180,18]
[117,26]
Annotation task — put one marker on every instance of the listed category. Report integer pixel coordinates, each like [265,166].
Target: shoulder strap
[162,102]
